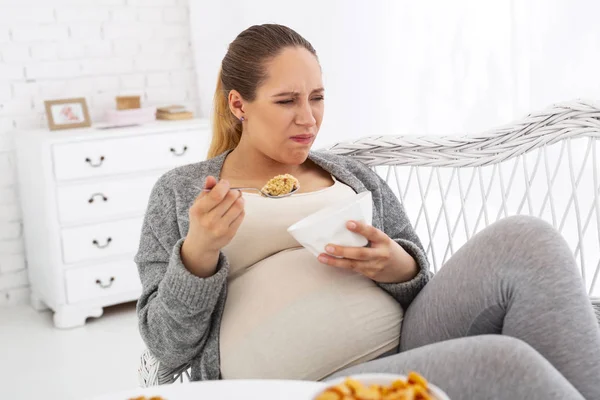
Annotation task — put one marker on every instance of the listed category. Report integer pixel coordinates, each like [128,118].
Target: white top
[288,316]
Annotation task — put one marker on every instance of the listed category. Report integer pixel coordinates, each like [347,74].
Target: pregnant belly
[291,317]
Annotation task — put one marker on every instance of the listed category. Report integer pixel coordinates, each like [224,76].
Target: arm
[176,307]
[398,227]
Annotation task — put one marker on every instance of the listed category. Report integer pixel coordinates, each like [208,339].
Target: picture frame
[67,113]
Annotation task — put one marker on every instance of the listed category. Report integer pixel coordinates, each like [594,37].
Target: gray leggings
[507,317]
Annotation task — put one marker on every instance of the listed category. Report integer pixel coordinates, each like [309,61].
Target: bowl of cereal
[380,387]
[328,225]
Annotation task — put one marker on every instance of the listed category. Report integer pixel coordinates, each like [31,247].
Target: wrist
[202,263]
[403,264]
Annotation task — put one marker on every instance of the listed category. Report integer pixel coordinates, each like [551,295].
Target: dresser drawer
[98,201]
[131,154]
[93,242]
[103,280]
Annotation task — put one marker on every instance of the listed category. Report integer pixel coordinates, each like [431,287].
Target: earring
[242,119]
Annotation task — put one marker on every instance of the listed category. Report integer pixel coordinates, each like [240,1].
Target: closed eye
[285,101]
[290,101]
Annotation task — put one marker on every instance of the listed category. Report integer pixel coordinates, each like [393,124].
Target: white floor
[38,361]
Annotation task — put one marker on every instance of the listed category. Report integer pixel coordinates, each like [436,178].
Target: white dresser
[83,194]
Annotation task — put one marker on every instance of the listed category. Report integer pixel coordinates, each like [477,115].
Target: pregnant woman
[226,288]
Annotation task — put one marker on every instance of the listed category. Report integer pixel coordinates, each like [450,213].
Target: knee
[524,226]
[530,240]
[503,344]
[501,352]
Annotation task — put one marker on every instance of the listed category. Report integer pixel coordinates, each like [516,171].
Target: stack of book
[174,112]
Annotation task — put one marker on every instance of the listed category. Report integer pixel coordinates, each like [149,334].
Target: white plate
[226,390]
[382,379]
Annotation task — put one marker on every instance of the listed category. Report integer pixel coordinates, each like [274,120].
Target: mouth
[303,138]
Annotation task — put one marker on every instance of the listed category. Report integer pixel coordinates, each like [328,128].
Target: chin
[296,157]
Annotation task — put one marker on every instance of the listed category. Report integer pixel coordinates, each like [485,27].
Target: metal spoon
[264,194]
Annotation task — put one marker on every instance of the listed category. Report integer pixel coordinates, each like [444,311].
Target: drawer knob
[95,165]
[180,153]
[105,285]
[100,195]
[102,246]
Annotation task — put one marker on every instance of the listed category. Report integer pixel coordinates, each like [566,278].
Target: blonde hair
[227,130]
[243,69]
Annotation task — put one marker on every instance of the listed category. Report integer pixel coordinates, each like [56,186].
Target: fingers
[372,234]
[371,268]
[233,212]
[210,182]
[344,263]
[368,231]
[367,268]
[367,261]
[231,197]
[207,201]
[354,253]
[237,222]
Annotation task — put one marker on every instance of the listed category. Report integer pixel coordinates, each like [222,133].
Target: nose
[304,114]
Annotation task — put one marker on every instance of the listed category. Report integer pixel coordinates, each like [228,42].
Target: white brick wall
[97,49]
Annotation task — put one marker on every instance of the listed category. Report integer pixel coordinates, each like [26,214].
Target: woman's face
[283,120]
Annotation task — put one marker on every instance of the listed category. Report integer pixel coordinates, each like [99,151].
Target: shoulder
[181,185]
[345,164]
[349,162]
[190,175]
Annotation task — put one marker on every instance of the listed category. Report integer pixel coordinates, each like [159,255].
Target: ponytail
[227,130]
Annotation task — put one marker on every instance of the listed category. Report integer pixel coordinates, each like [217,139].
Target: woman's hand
[215,218]
[384,261]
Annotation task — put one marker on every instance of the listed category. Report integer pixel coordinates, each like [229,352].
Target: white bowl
[381,379]
[328,225]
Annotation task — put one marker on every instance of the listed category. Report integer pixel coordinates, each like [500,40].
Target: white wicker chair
[545,165]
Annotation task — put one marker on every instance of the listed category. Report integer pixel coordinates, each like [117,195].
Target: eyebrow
[293,94]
